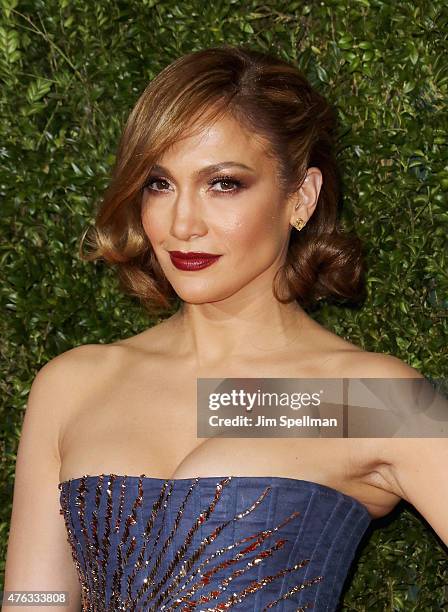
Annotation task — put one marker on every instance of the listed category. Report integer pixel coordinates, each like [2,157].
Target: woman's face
[235,212]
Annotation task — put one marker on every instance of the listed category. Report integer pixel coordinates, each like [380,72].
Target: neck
[237,328]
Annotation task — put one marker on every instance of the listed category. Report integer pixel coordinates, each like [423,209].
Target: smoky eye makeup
[154,179]
[229,184]
[227,179]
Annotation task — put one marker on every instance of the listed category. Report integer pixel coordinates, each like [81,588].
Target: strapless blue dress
[210,543]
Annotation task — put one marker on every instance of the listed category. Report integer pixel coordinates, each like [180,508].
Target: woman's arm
[414,468]
[417,470]
[39,555]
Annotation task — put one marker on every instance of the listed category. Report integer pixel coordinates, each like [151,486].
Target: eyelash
[217,179]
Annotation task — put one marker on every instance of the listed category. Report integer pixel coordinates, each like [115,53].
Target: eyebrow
[206,169]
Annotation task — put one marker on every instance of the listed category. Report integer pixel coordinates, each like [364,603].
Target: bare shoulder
[349,360]
[86,370]
[383,385]
[64,381]
[56,388]
[74,360]
[367,364]
[63,373]
[71,371]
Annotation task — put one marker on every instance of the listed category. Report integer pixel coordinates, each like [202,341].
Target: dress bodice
[210,543]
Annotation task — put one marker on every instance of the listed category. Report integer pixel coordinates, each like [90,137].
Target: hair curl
[273,99]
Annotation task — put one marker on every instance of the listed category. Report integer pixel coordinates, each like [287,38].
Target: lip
[192,260]
[191,254]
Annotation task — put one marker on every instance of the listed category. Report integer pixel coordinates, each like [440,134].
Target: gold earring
[299,223]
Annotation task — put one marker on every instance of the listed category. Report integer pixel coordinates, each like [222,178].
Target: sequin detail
[147,573]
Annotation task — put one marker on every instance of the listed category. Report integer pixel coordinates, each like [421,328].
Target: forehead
[214,141]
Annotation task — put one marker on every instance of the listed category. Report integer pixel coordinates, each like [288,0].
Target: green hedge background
[71,71]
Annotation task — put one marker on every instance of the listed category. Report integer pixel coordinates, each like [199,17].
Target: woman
[224,195]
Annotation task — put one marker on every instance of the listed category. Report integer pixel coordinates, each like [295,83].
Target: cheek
[152,223]
[258,232]
[233,233]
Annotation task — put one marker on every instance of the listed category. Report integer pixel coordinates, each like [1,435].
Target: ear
[305,199]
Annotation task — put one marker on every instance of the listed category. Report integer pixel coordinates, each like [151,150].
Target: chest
[147,422]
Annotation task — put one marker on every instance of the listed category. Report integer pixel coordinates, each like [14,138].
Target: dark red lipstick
[192,260]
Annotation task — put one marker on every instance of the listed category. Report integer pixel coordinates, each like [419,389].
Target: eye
[154,180]
[227,180]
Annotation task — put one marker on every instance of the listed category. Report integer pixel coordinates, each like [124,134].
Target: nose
[188,220]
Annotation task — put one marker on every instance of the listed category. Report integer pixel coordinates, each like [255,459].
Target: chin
[198,298]
[202,295]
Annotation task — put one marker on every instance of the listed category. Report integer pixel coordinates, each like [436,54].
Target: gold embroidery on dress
[183,587]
